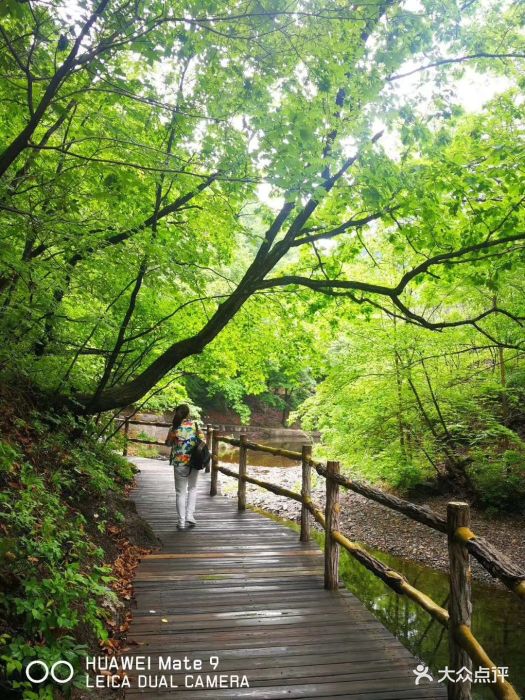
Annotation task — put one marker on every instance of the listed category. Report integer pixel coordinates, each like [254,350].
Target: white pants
[185,492]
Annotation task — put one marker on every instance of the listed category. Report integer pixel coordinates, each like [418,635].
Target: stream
[498,619]
[230,454]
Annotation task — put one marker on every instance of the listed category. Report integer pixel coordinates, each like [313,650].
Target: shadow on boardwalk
[241,596]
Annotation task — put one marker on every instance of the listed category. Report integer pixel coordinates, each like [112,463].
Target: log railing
[464,648]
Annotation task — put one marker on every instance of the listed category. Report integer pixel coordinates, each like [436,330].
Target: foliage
[402,407]
[165,183]
[208,192]
[55,593]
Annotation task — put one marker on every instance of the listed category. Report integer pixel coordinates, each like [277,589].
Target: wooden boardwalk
[241,587]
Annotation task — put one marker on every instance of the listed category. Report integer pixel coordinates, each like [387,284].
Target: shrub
[501,485]
[55,594]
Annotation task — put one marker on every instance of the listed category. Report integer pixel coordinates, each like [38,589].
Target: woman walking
[182,437]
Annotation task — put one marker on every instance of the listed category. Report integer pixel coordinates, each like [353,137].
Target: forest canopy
[251,192]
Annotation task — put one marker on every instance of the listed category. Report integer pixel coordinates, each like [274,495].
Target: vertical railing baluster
[126,433]
[306,492]
[214,462]
[209,429]
[241,493]
[460,601]
[331,548]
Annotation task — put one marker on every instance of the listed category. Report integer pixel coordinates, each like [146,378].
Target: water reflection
[230,455]
[498,619]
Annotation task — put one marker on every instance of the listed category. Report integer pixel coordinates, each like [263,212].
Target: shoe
[191,523]
[181,527]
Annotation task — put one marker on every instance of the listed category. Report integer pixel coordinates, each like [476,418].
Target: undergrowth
[56,598]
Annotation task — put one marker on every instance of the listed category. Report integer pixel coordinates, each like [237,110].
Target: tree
[142,134]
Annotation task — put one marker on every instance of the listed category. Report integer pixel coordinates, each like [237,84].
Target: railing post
[126,432]
[241,493]
[214,461]
[331,548]
[306,492]
[460,602]
[209,429]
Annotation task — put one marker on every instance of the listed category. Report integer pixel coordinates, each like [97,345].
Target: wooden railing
[462,542]
[464,647]
[123,425]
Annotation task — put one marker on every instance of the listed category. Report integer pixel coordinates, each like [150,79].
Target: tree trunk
[135,389]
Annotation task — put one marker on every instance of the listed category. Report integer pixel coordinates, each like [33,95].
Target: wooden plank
[243,588]
[223,555]
[382,689]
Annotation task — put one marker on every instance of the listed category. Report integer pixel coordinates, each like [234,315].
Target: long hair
[181,412]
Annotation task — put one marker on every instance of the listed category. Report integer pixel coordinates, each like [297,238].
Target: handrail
[131,421]
[461,541]
[256,447]
[421,514]
[495,562]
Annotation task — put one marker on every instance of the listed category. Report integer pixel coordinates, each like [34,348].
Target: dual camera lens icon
[46,671]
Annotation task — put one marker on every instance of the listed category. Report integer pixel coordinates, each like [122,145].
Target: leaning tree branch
[451,257]
[21,142]
[351,223]
[459,59]
[116,238]
[348,287]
